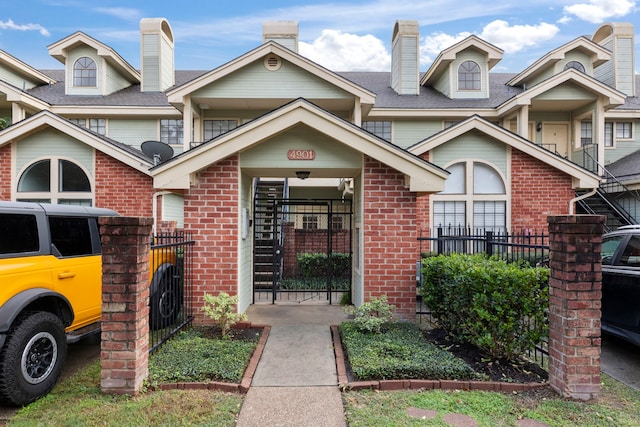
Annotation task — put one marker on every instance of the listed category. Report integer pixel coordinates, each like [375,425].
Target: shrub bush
[399,352]
[372,316]
[222,310]
[315,264]
[494,305]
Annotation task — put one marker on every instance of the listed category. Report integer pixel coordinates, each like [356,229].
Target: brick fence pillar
[125,303]
[575,292]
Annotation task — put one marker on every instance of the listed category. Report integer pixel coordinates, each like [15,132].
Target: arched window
[84,72]
[575,65]
[469,76]
[474,196]
[55,181]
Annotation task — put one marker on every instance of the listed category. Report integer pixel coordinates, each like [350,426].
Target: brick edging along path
[343,379]
[345,385]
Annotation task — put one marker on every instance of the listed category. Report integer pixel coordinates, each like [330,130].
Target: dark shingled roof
[626,168]
[376,82]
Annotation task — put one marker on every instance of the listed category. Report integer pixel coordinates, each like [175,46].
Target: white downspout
[154,203]
[573,201]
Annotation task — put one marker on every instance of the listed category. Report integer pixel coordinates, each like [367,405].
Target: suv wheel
[31,359]
[166,301]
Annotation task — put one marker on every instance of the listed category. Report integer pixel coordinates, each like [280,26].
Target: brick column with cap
[575,292]
[125,303]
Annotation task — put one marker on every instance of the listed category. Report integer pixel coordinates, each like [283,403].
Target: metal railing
[170,294]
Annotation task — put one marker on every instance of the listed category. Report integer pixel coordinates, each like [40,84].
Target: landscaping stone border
[383,385]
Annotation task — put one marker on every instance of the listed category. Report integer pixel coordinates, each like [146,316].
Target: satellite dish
[157,150]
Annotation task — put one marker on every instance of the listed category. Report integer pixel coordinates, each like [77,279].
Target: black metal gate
[302,250]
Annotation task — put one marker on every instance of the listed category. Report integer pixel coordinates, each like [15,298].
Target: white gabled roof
[582,178]
[598,54]
[47,119]
[447,56]
[60,49]
[9,61]
[612,97]
[421,176]
[14,94]
[177,95]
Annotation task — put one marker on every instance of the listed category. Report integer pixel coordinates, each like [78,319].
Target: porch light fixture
[303,174]
[539,126]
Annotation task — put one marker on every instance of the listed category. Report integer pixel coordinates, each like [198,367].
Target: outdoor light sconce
[303,174]
[539,126]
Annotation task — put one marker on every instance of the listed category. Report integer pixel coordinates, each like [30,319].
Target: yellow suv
[51,291]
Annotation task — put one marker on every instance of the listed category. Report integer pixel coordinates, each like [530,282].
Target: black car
[621,283]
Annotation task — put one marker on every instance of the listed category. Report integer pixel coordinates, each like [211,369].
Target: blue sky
[341,35]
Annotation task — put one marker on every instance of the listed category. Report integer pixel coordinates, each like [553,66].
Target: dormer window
[469,76]
[575,65]
[84,72]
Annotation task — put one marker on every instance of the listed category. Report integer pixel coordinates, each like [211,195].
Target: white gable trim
[612,98]
[599,55]
[60,49]
[21,68]
[447,56]
[177,172]
[178,95]
[14,94]
[582,178]
[46,119]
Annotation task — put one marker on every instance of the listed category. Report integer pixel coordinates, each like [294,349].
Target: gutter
[573,201]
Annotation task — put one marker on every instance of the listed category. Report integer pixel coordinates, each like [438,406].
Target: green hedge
[497,306]
[312,265]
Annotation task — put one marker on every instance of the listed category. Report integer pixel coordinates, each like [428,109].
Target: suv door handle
[66,275]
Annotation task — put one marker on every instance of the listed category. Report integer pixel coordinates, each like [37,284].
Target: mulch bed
[521,371]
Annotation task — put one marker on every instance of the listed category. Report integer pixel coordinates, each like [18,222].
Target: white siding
[173,209]
[133,131]
[471,146]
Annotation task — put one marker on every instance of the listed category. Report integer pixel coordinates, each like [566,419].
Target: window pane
[213,128]
[171,131]
[71,236]
[585,133]
[486,180]
[73,178]
[469,76]
[575,65]
[381,129]
[608,134]
[623,130]
[490,216]
[37,177]
[609,247]
[98,126]
[84,72]
[455,183]
[75,202]
[449,214]
[631,254]
[19,234]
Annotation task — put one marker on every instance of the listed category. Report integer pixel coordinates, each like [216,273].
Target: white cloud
[10,25]
[514,38]
[434,44]
[347,52]
[598,11]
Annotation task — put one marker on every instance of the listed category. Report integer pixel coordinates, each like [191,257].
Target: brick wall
[5,172]
[122,188]
[537,191]
[390,238]
[575,294]
[211,214]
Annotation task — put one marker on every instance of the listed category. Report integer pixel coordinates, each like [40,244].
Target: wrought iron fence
[526,248]
[170,302]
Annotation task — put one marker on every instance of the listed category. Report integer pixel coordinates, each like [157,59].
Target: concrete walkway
[296,382]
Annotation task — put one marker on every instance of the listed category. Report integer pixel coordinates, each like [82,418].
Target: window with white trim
[576,65]
[213,128]
[379,128]
[474,196]
[469,76]
[84,72]
[55,180]
[586,133]
[96,125]
[171,131]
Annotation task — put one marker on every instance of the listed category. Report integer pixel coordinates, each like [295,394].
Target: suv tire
[31,359]
[166,301]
